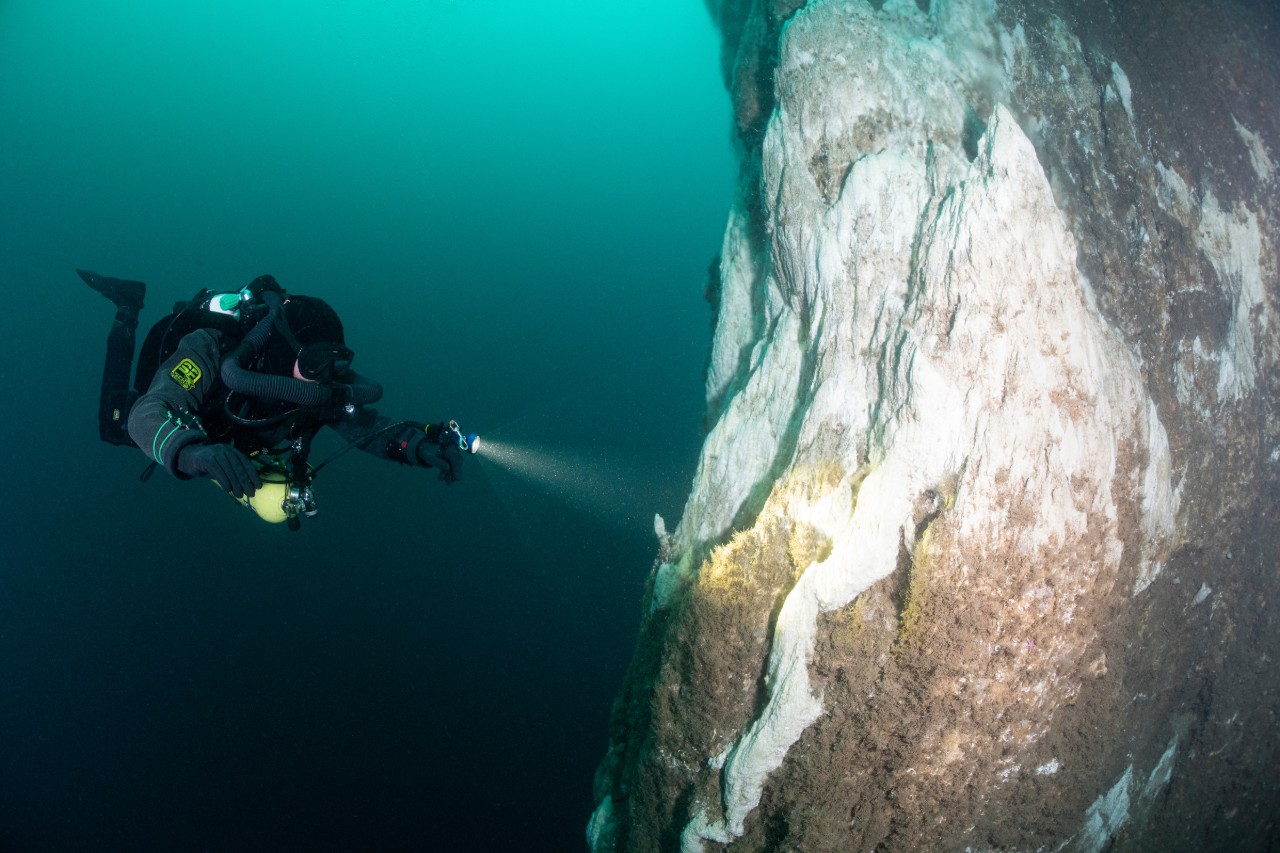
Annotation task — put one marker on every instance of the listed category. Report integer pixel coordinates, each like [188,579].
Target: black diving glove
[222,463]
[451,456]
[446,457]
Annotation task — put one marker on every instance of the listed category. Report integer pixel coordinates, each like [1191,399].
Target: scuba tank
[280,499]
[286,493]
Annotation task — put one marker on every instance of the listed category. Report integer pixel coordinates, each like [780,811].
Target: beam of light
[604,489]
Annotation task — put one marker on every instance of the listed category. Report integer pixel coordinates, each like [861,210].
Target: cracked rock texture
[981,551]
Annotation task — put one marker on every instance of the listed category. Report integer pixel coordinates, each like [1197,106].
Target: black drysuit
[186,404]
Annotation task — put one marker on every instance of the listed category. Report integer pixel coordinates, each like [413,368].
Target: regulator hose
[242,380]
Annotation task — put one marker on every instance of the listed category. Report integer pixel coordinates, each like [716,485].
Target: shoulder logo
[186,374]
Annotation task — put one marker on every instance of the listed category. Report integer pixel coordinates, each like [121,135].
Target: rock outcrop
[981,549]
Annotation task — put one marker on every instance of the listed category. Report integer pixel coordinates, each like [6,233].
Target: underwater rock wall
[980,548]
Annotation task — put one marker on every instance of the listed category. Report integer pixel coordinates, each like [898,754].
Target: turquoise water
[513,209]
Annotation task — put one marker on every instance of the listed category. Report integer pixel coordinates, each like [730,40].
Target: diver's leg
[117,397]
[124,293]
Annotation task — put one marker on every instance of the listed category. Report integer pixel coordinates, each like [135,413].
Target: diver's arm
[406,442]
[410,443]
[162,422]
[380,436]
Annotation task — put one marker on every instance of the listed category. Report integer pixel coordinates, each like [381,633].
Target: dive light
[450,433]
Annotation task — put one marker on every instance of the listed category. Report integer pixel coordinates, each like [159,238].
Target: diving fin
[124,293]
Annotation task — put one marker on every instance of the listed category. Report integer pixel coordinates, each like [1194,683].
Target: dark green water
[513,208]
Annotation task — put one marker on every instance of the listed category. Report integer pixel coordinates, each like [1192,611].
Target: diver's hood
[340,384]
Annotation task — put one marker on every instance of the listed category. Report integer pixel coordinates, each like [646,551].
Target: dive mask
[324,361]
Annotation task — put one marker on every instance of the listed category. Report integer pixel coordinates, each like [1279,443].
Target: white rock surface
[949,335]
[916,335]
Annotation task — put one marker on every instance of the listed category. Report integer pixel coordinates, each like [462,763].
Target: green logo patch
[186,374]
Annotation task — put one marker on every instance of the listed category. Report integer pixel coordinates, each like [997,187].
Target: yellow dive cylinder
[269,501]
[278,498]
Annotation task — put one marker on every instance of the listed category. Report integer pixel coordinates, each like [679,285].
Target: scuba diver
[234,386]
